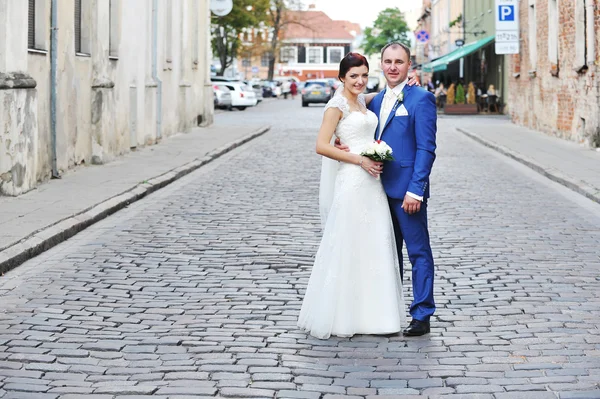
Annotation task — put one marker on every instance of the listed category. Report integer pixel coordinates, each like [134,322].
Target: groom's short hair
[396,44]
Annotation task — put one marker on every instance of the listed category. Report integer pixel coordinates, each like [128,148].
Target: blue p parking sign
[507,27]
[506,13]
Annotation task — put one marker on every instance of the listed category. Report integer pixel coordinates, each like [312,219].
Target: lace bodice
[355,129]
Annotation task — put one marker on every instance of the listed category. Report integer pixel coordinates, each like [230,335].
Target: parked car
[242,95]
[335,83]
[223,79]
[267,89]
[258,91]
[316,91]
[372,85]
[222,96]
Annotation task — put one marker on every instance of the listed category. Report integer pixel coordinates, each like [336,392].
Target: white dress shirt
[391,95]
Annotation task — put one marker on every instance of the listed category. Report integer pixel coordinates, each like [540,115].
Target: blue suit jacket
[412,138]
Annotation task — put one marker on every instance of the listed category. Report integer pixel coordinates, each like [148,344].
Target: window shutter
[78,26]
[325,54]
[301,54]
[31,25]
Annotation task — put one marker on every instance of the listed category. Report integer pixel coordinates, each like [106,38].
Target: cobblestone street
[194,291]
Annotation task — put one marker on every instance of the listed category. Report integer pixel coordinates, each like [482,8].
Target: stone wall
[110,98]
[560,99]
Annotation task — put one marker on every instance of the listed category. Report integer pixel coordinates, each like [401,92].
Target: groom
[407,123]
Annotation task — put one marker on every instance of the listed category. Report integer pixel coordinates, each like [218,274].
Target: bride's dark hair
[351,60]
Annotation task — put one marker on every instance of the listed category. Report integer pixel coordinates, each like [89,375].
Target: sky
[361,11]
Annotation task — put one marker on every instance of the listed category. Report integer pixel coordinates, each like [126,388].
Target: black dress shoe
[416,328]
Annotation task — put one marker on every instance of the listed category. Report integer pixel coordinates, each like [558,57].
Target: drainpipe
[155,68]
[53,83]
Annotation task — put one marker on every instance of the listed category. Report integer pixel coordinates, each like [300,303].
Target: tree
[390,26]
[471,94]
[278,18]
[460,94]
[450,95]
[227,29]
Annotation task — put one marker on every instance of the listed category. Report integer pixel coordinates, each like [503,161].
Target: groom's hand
[338,144]
[411,205]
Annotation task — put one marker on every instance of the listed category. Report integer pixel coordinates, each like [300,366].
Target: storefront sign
[507,26]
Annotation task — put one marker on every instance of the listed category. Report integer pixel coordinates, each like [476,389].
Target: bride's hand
[413,81]
[373,168]
[338,144]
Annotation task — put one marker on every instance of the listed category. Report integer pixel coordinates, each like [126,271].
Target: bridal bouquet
[378,151]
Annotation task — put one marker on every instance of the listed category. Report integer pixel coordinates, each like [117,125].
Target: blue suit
[412,138]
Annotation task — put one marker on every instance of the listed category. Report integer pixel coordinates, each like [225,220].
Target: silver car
[316,91]
[222,96]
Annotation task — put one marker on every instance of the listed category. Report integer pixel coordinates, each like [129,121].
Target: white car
[242,95]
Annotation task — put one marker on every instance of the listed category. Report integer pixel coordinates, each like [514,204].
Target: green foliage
[226,30]
[457,21]
[460,94]
[389,26]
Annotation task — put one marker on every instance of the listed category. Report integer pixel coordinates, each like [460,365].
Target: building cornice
[16,80]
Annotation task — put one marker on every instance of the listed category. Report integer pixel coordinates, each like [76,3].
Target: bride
[355,285]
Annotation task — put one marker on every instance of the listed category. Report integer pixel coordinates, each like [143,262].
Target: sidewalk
[58,209]
[563,161]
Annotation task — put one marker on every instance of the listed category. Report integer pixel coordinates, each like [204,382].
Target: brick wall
[564,104]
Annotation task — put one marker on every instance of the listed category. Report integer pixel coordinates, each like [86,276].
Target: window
[31,25]
[169,33]
[553,36]
[264,59]
[289,54]
[82,27]
[246,62]
[532,36]
[584,34]
[315,55]
[36,25]
[335,54]
[115,28]
[195,37]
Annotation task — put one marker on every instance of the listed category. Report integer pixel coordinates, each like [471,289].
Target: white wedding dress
[355,285]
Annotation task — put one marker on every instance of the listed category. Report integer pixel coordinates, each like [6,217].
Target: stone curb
[555,175]
[46,238]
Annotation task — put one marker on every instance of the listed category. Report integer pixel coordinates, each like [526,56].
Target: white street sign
[507,26]
[221,7]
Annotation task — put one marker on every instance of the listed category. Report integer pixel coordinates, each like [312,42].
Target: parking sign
[507,26]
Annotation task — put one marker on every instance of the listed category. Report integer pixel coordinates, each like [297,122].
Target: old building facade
[445,27]
[83,81]
[554,83]
[421,47]
[311,45]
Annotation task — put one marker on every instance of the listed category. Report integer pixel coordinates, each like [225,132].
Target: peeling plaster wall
[18,140]
[105,105]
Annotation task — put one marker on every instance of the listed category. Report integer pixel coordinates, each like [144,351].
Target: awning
[442,63]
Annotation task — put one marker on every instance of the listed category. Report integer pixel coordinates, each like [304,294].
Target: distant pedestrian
[285,88]
[293,89]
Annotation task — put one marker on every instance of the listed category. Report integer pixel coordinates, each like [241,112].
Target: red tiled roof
[315,25]
[350,26]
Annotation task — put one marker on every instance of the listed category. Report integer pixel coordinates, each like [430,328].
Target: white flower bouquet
[378,151]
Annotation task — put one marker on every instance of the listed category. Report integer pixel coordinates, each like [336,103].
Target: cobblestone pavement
[194,291]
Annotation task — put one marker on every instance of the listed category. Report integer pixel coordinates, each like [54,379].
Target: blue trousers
[412,229]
